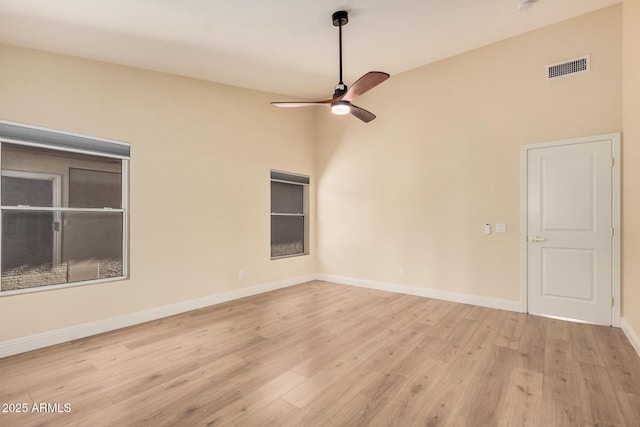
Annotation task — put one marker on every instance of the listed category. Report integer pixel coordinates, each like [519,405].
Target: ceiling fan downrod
[340,18]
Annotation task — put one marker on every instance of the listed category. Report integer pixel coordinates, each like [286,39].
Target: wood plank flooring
[321,354]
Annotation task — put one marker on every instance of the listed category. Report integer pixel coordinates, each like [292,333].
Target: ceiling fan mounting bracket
[340,18]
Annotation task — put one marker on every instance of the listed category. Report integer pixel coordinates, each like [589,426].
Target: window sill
[288,256]
[60,286]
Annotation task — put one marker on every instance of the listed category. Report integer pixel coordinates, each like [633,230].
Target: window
[289,219]
[63,209]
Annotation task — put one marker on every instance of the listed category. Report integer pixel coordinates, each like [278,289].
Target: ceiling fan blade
[364,84]
[362,114]
[301,104]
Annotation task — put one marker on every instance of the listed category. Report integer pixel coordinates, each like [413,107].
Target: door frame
[615,211]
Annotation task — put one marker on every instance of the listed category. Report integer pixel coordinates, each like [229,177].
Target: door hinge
[612,302]
[612,161]
[613,232]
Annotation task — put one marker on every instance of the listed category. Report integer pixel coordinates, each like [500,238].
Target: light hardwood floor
[321,354]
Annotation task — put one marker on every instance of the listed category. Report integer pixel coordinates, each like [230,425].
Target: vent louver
[569,67]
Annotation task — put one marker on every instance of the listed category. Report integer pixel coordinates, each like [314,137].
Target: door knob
[534,239]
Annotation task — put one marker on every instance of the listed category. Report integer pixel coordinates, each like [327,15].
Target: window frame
[295,179]
[57,144]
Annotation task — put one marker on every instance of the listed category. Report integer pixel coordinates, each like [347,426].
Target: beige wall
[631,162]
[201,155]
[412,189]
[415,187]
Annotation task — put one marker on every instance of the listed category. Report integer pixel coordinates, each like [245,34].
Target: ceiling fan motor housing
[340,90]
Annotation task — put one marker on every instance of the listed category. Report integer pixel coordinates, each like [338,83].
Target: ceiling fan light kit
[343,95]
[341,108]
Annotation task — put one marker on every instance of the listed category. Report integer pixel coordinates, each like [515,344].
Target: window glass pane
[47,248]
[27,238]
[91,235]
[34,190]
[286,198]
[287,235]
[90,188]
[74,180]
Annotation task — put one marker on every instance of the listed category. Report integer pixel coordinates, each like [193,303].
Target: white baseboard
[501,304]
[33,342]
[632,335]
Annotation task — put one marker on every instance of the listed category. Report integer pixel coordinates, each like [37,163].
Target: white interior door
[569,231]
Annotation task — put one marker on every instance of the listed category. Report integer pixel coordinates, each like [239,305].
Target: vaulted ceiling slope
[285,46]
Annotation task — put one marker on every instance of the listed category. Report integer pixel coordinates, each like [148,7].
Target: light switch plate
[501,228]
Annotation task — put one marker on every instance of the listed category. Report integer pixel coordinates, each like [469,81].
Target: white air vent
[569,67]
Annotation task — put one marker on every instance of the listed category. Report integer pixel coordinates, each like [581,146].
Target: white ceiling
[282,46]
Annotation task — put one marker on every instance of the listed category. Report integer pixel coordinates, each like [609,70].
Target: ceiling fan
[342,96]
